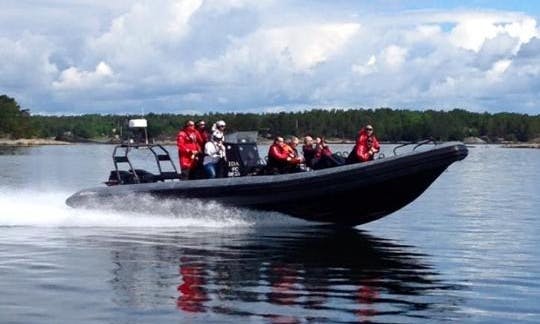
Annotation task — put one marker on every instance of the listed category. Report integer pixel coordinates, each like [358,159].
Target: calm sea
[467,250]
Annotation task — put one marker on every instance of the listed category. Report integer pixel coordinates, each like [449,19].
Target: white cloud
[498,69]
[243,55]
[473,30]
[394,56]
[524,29]
[71,78]
[296,49]
[224,6]
[143,41]
[472,33]
[366,68]
[182,12]
[25,61]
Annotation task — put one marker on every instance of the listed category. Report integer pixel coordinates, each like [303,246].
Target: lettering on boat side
[234,169]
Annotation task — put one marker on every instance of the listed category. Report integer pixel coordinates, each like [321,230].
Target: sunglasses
[369,129]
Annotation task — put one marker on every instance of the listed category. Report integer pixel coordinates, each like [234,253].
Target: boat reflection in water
[305,273]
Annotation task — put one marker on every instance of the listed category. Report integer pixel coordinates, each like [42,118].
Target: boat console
[243,154]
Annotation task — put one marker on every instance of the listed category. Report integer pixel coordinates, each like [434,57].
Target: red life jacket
[278,152]
[364,143]
[188,148]
[202,137]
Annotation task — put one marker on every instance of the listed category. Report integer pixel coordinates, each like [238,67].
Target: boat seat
[121,159]
[145,176]
[127,177]
[168,175]
[163,157]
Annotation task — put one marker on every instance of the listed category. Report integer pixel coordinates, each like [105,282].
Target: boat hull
[348,195]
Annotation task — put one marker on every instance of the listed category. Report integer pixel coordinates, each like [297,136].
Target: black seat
[167,175]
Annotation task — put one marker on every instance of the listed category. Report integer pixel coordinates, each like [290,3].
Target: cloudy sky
[185,56]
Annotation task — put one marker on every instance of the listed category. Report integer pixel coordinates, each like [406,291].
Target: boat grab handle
[418,144]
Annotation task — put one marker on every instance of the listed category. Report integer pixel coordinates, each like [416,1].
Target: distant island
[337,125]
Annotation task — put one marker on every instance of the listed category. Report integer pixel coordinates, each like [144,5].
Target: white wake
[48,209]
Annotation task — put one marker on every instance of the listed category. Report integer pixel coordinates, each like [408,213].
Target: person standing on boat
[219,126]
[188,149]
[214,156]
[366,146]
[202,134]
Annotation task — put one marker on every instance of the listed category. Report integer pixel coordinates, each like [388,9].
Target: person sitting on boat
[202,134]
[293,148]
[214,156]
[188,149]
[366,146]
[308,150]
[219,126]
[324,158]
[281,157]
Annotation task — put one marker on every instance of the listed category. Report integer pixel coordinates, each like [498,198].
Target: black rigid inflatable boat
[348,195]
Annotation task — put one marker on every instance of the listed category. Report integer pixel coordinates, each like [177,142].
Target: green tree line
[390,124]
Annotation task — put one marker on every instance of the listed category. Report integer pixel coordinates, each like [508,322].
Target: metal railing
[416,144]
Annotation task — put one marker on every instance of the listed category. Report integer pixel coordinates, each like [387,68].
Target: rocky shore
[51,141]
[522,145]
[30,142]
[534,143]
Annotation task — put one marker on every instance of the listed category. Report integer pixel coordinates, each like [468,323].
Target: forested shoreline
[391,125]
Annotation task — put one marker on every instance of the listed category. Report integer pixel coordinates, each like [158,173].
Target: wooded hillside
[390,124]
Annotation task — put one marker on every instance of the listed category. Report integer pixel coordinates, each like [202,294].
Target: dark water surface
[467,250]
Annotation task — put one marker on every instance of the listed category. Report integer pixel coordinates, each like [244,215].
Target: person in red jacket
[281,158]
[188,149]
[202,134]
[366,146]
[324,158]
[292,148]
